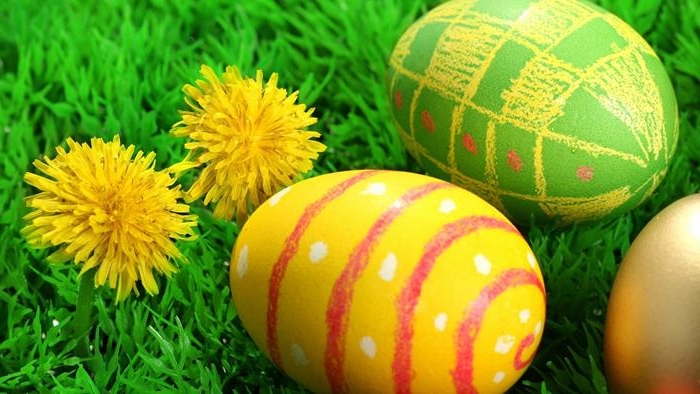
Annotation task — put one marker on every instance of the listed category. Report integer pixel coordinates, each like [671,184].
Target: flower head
[110,212]
[250,138]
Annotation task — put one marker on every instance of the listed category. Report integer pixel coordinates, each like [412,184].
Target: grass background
[94,68]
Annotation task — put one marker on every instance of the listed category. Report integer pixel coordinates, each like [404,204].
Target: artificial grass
[82,69]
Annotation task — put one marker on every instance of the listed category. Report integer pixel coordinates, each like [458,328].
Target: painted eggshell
[554,110]
[653,318]
[383,281]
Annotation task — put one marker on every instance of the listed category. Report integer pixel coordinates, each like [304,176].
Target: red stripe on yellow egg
[410,294]
[518,362]
[469,328]
[339,304]
[290,250]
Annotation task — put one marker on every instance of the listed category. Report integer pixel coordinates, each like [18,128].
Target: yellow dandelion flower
[250,138]
[110,212]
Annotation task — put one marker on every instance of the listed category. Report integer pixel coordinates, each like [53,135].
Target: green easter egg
[552,110]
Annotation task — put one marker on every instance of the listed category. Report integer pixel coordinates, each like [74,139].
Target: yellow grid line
[540,180]
[421,82]
[653,141]
[457,118]
[549,204]
[538,157]
[569,141]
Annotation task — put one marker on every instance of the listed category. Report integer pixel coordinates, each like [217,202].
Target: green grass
[96,68]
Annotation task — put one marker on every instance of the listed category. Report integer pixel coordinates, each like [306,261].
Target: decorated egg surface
[382,281]
[653,318]
[551,110]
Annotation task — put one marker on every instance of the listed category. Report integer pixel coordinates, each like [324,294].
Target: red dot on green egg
[514,161]
[585,173]
[398,99]
[469,143]
[427,121]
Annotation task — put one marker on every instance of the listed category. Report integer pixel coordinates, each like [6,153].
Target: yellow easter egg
[384,281]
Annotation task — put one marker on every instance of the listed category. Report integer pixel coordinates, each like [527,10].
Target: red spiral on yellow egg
[408,300]
[290,249]
[340,294]
[469,329]
[341,297]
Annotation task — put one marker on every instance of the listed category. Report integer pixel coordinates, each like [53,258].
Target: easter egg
[554,111]
[384,281]
[653,319]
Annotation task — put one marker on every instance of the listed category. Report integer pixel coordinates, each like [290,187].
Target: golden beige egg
[653,320]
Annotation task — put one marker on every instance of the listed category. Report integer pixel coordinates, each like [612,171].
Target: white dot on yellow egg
[274,200]
[388,268]
[447,206]
[499,376]
[318,251]
[298,355]
[368,346]
[531,259]
[504,343]
[441,321]
[376,189]
[398,204]
[482,264]
[538,328]
[242,264]
[524,315]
